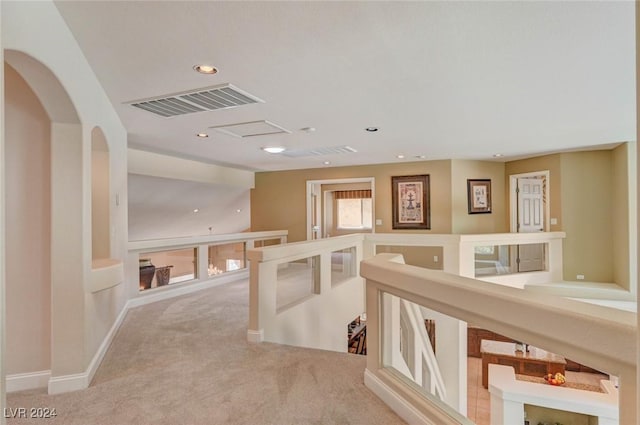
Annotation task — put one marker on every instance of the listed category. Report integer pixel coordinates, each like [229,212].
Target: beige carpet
[186,361]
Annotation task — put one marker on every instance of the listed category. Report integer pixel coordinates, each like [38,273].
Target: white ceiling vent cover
[250,129]
[205,99]
[319,151]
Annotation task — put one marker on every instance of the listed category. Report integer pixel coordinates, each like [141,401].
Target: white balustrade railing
[314,309]
[424,368]
[455,295]
[601,337]
[200,274]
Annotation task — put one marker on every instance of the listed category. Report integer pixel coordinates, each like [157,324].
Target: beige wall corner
[587,182]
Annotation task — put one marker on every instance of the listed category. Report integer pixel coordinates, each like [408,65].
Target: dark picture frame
[479,196]
[411,203]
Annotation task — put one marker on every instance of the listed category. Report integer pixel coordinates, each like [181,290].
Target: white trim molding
[68,383]
[167,292]
[81,381]
[28,381]
[402,407]
[255,336]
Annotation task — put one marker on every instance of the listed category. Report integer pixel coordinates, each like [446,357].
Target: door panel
[530,257]
[530,219]
[530,205]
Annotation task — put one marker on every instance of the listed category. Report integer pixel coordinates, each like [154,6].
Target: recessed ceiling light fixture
[202,135]
[420,156]
[274,149]
[372,129]
[308,129]
[327,163]
[196,210]
[206,69]
[239,210]
[498,155]
[400,156]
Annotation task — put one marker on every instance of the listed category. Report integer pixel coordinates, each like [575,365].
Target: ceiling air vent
[319,151]
[199,100]
[250,129]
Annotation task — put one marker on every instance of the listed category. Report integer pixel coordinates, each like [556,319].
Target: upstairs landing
[186,361]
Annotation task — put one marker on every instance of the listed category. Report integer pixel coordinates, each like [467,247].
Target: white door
[530,219]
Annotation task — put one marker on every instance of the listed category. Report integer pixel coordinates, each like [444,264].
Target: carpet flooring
[187,361]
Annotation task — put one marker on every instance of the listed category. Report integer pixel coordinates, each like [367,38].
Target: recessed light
[327,163]
[498,155]
[239,210]
[196,210]
[308,129]
[420,156]
[372,129]
[400,156]
[205,69]
[202,135]
[274,149]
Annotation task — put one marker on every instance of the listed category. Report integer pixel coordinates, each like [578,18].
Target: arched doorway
[44,234]
[28,234]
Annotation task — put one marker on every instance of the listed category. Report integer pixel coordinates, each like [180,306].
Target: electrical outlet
[435,258]
[378,222]
[554,221]
[580,277]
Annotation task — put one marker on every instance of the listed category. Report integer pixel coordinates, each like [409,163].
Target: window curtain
[352,194]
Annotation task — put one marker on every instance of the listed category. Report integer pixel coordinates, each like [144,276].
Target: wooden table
[535,362]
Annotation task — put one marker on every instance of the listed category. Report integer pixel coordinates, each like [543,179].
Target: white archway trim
[50,92]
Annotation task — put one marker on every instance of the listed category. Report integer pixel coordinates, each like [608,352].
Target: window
[354,213]
[484,250]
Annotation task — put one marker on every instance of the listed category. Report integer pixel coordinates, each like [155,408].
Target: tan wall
[28,229]
[587,198]
[462,221]
[620,214]
[547,162]
[597,231]
[278,200]
[420,256]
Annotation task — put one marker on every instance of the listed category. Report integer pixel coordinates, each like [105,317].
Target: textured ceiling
[442,79]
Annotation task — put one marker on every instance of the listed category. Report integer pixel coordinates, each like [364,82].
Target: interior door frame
[309,201]
[513,199]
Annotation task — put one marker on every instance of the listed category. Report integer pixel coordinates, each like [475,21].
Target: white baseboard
[81,381]
[68,383]
[106,342]
[255,336]
[28,381]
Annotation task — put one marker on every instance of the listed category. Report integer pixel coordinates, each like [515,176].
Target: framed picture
[479,196]
[410,199]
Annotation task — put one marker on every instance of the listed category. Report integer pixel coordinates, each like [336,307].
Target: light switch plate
[378,222]
[554,221]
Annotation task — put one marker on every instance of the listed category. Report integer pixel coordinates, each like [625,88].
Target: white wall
[28,235]
[49,59]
